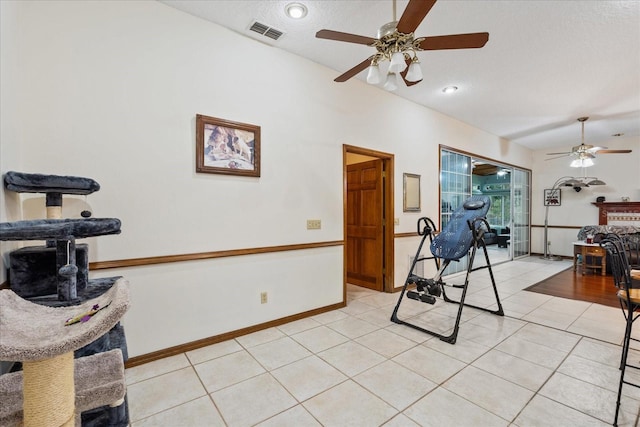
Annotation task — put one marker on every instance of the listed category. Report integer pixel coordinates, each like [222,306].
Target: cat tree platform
[22,182]
[36,335]
[61,229]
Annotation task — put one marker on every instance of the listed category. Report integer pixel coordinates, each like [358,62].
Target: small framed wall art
[227,147]
[411,200]
[552,197]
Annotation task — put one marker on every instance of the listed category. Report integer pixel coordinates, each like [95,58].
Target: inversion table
[462,236]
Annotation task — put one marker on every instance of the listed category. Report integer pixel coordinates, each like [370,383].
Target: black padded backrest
[455,240]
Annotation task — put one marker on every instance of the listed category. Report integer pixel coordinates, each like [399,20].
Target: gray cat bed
[37,336]
[35,268]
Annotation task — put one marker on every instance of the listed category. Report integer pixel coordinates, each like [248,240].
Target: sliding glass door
[455,182]
[521,230]
[455,188]
[508,187]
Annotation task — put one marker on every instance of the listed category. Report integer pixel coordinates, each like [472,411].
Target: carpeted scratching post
[44,341]
[49,392]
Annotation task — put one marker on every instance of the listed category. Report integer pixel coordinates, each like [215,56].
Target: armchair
[491,237]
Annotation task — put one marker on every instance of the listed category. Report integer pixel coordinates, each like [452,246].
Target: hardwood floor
[590,287]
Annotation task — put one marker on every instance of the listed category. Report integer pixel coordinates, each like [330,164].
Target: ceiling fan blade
[455,41]
[345,37]
[409,84]
[553,158]
[404,75]
[413,15]
[555,154]
[595,149]
[355,70]
[613,151]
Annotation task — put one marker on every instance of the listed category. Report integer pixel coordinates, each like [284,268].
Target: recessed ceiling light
[296,10]
[450,89]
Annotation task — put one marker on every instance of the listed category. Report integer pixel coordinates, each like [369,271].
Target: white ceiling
[546,63]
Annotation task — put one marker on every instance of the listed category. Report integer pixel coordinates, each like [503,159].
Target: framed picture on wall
[411,186]
[227,147]
[552,197]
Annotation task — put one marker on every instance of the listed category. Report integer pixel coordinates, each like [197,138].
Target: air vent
[266,30]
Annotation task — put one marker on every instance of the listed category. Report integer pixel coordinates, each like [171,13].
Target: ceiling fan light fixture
[582,162]
[397,64]
[391,83]
[585,153]
[414,74]
[296,10]
[373,75]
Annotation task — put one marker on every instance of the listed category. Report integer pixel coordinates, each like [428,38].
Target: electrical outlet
[263,297]
[396,221]
[314,224]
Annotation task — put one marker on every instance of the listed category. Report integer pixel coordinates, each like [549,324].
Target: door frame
[388,213]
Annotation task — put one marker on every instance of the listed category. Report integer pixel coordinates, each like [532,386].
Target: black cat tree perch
[62,327]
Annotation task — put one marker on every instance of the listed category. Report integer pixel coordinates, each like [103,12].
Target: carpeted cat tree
[50,285]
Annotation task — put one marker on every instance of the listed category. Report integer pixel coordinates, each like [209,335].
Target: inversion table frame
[464,232]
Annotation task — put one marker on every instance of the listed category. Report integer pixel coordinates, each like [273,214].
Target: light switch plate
[314,224]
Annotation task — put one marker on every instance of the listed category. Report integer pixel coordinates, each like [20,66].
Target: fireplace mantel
[615,207]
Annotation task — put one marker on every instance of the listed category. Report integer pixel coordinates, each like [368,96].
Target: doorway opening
[368,218]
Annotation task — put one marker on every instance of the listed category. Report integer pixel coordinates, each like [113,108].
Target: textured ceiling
[546,63]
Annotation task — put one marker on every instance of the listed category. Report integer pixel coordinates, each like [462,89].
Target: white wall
[621,172]
[110,91]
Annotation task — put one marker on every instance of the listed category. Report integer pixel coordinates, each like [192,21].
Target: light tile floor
[548,362]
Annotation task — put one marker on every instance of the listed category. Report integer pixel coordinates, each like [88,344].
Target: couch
[491,236]
[630,232]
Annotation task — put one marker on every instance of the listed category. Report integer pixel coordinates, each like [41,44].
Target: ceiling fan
[584,153]
[396,43]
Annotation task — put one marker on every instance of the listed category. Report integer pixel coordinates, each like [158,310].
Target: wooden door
[365,237]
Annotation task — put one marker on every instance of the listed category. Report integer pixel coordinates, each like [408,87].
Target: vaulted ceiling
[546,62]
